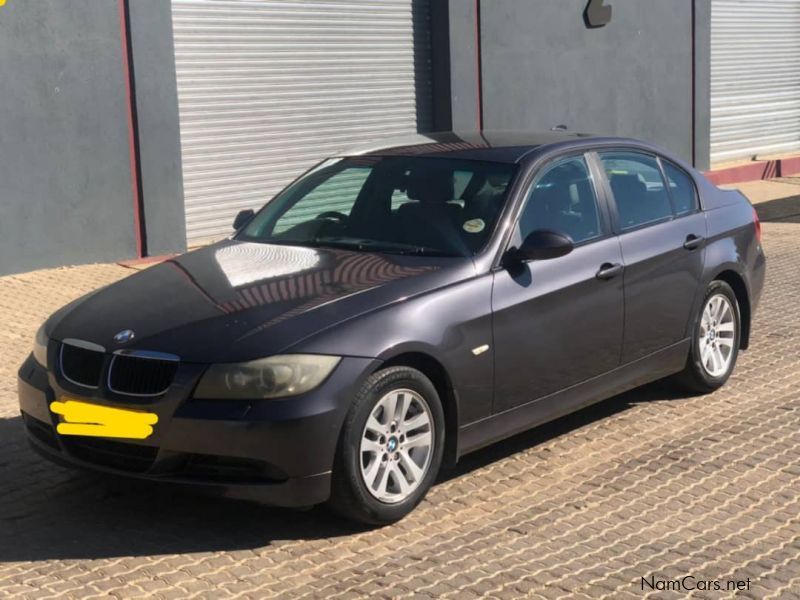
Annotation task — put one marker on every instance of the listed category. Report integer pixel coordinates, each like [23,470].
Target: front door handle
[609,271]
[693,242]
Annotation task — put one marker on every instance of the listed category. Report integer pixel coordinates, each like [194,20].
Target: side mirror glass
[243,218]
[542,244]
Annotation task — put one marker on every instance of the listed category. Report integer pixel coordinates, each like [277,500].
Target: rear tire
[390,448]
[716,337]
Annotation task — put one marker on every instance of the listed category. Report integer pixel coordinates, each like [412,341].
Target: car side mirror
[243,218]
[542,244]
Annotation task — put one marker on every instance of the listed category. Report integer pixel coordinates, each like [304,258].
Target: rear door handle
[609,271]
[693,242]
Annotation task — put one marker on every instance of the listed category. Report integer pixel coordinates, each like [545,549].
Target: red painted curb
[137,262]
[790,166]
[765,169]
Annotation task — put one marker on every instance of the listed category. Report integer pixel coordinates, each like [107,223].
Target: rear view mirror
[243,218]
[542,244]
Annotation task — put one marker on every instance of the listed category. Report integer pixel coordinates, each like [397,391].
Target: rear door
[662,234]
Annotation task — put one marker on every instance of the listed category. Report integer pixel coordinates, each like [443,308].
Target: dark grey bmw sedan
[394,309]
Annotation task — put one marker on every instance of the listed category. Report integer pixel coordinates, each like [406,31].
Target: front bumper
[275,451]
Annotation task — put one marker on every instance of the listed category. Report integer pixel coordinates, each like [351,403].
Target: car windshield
[395,204]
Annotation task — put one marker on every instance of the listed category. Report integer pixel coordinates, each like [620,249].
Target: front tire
[715,341]
[390,448]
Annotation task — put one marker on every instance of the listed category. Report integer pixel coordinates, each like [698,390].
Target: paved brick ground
[645,484]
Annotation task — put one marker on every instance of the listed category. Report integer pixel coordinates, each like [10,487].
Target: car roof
[496,146]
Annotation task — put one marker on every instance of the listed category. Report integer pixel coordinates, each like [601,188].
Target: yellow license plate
[83,418]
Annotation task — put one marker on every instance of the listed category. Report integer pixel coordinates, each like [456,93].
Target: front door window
[563,200]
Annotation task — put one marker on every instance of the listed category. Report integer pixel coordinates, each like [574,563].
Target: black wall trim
[440,66]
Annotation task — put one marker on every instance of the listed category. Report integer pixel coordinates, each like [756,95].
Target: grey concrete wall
[65,181]
[542,67]
[464,65]
[455,65]
[159,131]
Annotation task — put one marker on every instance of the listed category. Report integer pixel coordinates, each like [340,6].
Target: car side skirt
[655,366]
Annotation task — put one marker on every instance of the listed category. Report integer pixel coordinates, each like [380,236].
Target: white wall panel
[267,88]
[755,78]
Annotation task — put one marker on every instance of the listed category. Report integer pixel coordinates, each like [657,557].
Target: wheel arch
[739,287]
[434,370]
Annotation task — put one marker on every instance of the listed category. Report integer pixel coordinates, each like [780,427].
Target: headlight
[272,377]
[40,347]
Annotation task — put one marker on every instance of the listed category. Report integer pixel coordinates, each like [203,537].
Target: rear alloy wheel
[717,335]
[390,448]
[715,343]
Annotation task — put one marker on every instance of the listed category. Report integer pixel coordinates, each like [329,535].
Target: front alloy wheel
[397,445]
[390,448]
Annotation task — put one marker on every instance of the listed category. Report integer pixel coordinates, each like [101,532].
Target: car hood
[235,301]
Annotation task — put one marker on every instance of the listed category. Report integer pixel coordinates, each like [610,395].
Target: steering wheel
[332,215]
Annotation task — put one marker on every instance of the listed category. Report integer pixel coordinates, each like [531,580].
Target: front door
[559,322]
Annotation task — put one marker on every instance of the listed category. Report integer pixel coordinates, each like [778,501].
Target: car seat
[631,198]
[430,218]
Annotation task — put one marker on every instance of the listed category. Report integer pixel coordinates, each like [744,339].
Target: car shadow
[50,512]
[782,210]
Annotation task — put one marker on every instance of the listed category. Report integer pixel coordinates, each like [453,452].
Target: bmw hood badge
[124,336]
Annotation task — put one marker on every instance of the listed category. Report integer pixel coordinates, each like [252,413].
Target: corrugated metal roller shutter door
[755,78]
[268,88]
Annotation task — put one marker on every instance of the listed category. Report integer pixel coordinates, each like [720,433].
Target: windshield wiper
[417,251]
[363,245]
[337,243]
[389,247]
[312,243]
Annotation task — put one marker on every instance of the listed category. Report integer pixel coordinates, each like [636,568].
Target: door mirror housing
[243,218]
[542,244]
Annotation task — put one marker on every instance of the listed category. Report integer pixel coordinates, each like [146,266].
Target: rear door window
[639,190]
